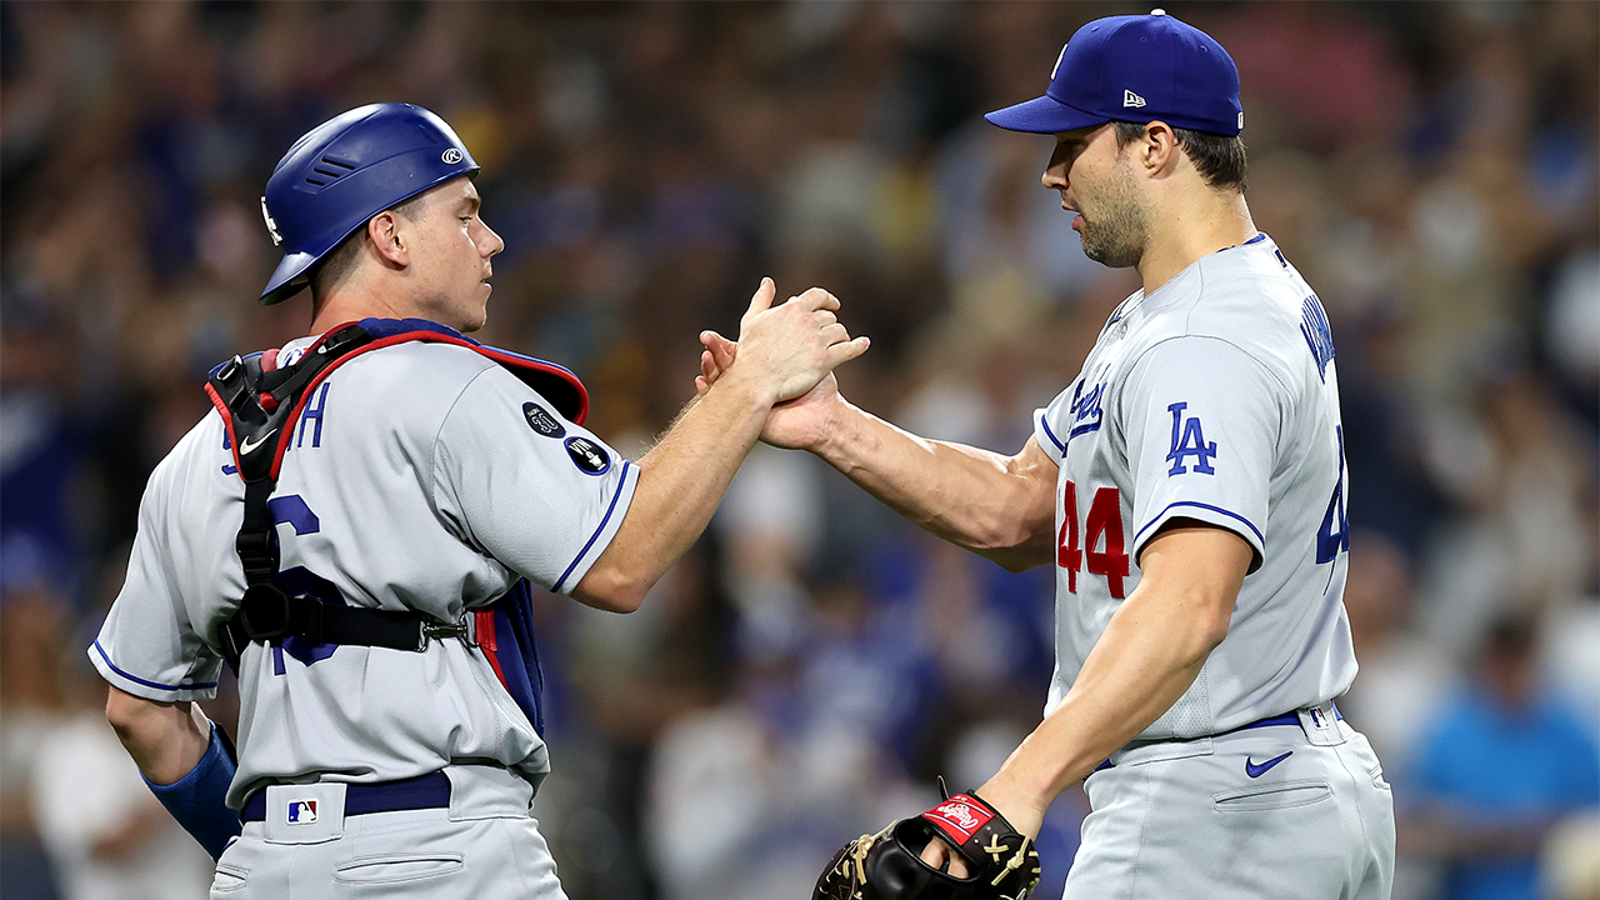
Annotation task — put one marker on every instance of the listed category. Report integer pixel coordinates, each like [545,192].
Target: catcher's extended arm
[1002,863]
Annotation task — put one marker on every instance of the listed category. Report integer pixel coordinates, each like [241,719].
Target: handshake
[788,353]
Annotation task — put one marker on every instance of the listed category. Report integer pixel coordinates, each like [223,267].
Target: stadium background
[810,666]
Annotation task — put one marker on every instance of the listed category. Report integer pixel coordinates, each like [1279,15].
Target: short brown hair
[1219,158]
[342,258]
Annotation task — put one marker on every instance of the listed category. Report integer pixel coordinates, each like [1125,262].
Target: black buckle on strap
[266,613]
[440,630]
[258,553]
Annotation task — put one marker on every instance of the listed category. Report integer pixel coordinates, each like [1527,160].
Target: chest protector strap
[260,409]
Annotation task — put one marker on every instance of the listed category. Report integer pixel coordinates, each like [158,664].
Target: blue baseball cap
[1135,69]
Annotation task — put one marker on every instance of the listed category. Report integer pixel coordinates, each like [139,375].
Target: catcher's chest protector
[259,408]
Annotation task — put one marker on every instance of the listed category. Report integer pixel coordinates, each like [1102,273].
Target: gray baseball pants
[1217,817]
[484,846]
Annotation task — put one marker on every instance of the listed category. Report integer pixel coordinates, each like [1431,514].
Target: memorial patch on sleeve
[589,456]
[540,420]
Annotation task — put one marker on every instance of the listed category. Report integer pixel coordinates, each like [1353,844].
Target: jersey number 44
[1102,527]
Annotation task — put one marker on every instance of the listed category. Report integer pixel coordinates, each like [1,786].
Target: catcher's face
[1096,181]
[450,252]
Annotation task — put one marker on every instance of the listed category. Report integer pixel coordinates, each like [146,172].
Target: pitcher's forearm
[1149,654]
[999,506]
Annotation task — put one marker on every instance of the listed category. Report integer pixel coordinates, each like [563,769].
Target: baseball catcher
[1001,863]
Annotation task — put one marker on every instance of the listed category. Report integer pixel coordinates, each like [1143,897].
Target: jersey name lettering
[1188,440]
[1318,334]
[310,420]
[312,415]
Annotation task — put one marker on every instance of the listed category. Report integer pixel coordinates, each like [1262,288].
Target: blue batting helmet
[344,172]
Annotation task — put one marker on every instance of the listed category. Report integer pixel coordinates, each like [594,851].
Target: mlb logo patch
[302,812]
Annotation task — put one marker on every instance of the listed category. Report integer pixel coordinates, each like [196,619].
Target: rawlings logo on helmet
[450,157]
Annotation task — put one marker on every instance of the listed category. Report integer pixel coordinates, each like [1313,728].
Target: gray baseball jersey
[421,476]
[1212,398]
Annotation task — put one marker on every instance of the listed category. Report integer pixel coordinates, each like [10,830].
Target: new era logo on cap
[1130,100]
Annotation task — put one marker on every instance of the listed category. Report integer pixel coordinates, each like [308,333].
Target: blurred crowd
[814,662]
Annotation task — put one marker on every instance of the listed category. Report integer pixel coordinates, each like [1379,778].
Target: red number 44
[1104,523]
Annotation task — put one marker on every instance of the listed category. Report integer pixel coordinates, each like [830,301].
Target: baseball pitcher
[1189,488]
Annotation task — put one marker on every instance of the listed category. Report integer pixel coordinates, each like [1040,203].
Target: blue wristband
[198,799]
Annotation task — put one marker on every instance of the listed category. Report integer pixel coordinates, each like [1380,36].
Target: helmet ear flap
[347,170]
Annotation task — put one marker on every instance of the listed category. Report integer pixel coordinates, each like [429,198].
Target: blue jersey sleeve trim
[1217,509]
[201,686]
[1045,425]
[597,532]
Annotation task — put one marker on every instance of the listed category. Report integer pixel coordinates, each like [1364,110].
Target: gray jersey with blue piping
[422,476]
[1213,398]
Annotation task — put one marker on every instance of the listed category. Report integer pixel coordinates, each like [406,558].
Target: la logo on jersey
[302,812]
[1189,440]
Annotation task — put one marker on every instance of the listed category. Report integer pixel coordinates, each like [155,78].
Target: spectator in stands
[1502,767]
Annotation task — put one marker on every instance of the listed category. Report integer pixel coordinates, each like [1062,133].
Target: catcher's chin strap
[261,408]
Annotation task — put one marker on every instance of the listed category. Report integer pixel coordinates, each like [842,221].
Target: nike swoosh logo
[1256,771]
[247,445]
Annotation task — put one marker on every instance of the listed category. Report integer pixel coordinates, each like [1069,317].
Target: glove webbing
[261,407]
[995,849]
[858,856]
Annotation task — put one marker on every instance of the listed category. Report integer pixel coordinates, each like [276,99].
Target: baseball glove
[1001,863]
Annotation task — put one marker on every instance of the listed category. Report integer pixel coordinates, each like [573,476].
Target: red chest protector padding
[259,409]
